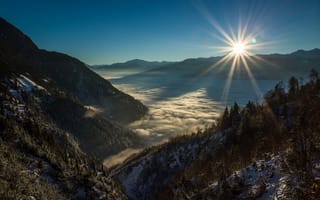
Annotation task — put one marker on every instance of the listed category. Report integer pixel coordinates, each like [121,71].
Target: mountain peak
[12,38]
[302,52]
[135,60]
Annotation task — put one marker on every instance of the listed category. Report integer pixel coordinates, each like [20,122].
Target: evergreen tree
[293,86]
[279,90]
[250,107]
[235,115]
[276,97]
[225,120]
[244,126]
[314,76]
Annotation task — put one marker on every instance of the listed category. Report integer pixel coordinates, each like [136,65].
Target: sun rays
[239,46]
[239,52]
[238,49]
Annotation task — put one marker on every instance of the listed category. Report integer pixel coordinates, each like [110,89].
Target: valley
[183,100]
[183,104]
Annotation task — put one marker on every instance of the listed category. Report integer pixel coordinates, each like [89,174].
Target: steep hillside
[19,54]
[58,121]
[38,159]
[97,136]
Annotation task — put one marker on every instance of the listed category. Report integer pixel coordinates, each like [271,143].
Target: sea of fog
[181,105]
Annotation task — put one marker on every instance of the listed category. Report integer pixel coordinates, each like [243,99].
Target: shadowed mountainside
[19,54]
[78,100]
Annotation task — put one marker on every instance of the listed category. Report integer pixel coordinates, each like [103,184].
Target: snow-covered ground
[263,179]
[13,104]
[141,179]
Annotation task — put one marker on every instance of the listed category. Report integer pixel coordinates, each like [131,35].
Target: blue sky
[108,31]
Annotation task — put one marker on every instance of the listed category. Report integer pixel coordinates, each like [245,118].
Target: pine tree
[293,86]
[314,76]
[235,115]
[225,120]
[250,107]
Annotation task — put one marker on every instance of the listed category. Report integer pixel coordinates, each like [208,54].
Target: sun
[238,48]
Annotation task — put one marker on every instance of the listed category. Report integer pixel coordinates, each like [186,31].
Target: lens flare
[238,47]
[238,55]
[239,51]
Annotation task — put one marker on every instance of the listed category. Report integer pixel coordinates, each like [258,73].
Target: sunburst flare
[238,51]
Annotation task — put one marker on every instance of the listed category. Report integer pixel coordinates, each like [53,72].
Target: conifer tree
[225,120]
[293,86]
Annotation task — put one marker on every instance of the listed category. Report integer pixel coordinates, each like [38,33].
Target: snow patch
[27,84]
[130,181]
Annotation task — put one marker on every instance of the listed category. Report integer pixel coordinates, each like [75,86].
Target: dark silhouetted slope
[20,54]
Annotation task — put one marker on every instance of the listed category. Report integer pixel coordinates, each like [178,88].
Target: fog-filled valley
[187,96]
[182,105]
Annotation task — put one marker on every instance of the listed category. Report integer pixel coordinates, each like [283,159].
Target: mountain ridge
[72,75]
[262,67]
[315,51]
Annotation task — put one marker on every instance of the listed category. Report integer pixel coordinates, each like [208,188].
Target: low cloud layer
[180,106]
[120,157]
[184,114]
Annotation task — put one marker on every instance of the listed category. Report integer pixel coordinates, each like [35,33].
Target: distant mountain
[119,70]
[18,53]
[262,66]
[136,64]
[312,52]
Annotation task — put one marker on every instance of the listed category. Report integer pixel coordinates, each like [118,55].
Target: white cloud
[172,116]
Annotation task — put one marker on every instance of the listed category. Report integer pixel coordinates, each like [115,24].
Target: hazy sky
[107,31]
